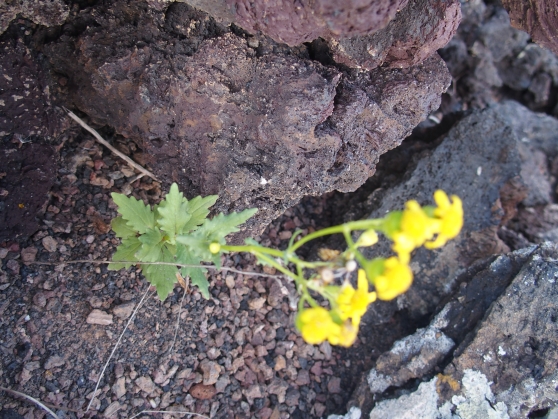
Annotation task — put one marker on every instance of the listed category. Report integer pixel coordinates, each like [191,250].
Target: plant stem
[339,229]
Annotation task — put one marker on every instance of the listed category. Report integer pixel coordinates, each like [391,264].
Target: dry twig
[135,262]
[110,147]
[25,396]
[116,346]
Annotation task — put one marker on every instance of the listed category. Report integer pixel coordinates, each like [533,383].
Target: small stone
[50,244]
[229,280]
[253,392]
[53,362]
[95,302]
[319,409]
[222,383]
[13,266]
[112,409]
[292,397]
[303,378]
[29,254]
[261,351]
[39,299]
[90,239]
[3,252]
[334,385]
[119,387]
[256,303]
[203,392]
[280,363]
[99,317]
[123,311]
[325,348]
[146,384]
[285,235]
[211,371]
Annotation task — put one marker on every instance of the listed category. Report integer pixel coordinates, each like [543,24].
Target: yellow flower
[450,215]
[316,325]
[395,280]
[353,303]
[347,335]
[416,227]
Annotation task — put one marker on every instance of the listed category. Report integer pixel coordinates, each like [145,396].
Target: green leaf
[199,210]
[151,246]
[197,277]
[121,229]
[163,277]
[197,244]
[136,213]
[126,251]
[222,225]
[174,213]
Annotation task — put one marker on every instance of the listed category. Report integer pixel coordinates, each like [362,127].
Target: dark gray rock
[507,345]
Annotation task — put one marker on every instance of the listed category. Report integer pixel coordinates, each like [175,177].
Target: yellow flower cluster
[340,325]
[418,226]
[418,229]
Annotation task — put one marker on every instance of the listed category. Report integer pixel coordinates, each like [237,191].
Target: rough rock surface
[479,161]
[417,31]
[47,13]
[505,368]
[296,22]
[220,117]
[25,109]
[539,18]
[488,57]
[27,173]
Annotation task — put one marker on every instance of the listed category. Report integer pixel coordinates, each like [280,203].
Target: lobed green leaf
[137,215]
[174,213]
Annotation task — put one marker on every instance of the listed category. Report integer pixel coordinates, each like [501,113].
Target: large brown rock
[416,32]
[219,117]
[537,17]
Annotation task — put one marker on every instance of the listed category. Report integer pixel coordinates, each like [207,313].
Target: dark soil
[237,355]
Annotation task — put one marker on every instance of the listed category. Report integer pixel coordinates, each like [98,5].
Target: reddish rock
[203,392]
[539,18]
[415,34]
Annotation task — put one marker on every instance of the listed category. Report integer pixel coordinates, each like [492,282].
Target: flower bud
[350,266]
[368,238]
[214,247]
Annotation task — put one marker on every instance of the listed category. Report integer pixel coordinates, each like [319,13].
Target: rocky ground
[238,354]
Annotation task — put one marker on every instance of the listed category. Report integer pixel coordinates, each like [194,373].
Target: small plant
[153,237]
[330,307]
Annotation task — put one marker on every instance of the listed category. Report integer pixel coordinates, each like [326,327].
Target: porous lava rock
[220,117]
[537,17]
[416,32]
[47,13]
[27,173]
[25,103]
[358,33]
[503,364]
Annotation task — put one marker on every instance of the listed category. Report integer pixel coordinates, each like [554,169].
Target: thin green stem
[353,225]
[252,249]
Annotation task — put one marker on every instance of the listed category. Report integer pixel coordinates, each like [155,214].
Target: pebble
[29,254]
[119,387]
[99,317]
[203,392]
[13,266]
[3,252]
[334,385]
[50,244]
[54,361]
[256,303]
[112,409]
[123,311]
[146,384]
[211,371]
